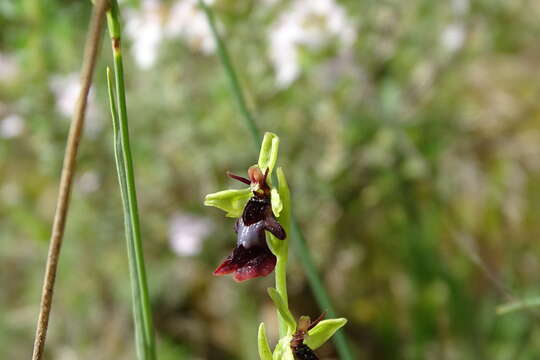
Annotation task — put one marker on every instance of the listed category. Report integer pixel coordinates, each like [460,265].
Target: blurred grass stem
[91,50]
[233,78]
[518,305]
[298,242]
[144,331]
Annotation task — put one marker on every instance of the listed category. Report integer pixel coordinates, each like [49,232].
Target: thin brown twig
[92,45]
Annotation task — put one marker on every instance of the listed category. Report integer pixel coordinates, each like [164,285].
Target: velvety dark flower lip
[248,263]
[251,257]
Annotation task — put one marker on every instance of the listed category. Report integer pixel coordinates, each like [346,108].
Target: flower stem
[144,332]
[281,287]
[299,245]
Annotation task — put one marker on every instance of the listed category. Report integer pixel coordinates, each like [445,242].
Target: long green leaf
[144,332]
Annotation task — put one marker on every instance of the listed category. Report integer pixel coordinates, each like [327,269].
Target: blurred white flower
[311,23]
[453,37]
[144,27]
[269,2]
[88,182]
[67,353]
[66,90]
[460,7]
[9,68]
[11,126]
[187,232]
[148,26]
[188,21]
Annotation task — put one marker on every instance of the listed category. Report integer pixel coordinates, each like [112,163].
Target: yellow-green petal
[277,205]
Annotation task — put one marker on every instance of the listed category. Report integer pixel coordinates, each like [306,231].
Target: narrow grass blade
[144,332]
[233,78]
[518,305]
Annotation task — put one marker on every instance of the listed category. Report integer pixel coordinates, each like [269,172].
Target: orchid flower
[263,221]
[257,209]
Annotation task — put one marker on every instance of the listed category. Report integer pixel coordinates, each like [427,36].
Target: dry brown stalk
[91,50]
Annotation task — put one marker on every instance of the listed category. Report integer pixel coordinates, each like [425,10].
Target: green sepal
[231,201]
[283,349]
[323,331]
[264,349]
[269,152]
[282,309]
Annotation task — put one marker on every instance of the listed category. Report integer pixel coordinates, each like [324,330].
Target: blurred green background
[410,135]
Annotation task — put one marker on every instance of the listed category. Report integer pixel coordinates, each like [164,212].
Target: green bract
[264,349]
[283,310]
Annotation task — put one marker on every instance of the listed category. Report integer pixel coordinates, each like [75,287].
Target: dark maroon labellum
[303,352]
[252,258]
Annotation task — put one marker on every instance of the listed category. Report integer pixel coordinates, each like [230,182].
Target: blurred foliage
[411,148]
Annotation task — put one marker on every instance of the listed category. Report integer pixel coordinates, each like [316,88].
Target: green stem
[141,303]
[281,287]
[300,247]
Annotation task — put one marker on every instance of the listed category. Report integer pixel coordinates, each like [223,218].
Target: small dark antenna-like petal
[317,320]
[239,178]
